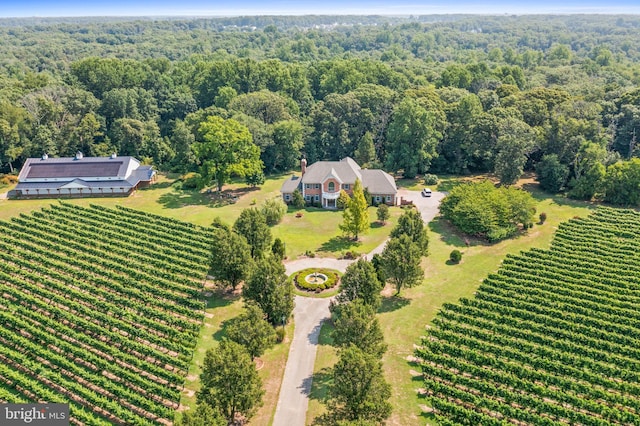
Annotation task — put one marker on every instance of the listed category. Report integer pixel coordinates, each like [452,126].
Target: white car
[426,192]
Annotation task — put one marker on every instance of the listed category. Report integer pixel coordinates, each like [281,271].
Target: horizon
[228,8]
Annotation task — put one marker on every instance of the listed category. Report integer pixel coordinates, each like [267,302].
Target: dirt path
[309,314]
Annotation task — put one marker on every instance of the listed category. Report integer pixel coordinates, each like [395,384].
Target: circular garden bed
[316,279]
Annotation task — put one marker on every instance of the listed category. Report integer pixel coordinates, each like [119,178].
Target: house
[81,176]
[322,181]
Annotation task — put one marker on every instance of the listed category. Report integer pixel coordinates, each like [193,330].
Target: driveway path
[292,406]
[309,314]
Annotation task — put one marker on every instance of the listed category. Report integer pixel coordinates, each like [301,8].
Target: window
[307,186]
[317,186]
[317,198]
[332,187]
[378,198]
[388,198]
[345,186]
[307,197]
[287,197]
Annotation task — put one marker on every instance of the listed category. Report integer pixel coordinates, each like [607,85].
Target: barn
[82,176]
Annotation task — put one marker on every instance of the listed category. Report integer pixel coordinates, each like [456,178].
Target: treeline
[474,94]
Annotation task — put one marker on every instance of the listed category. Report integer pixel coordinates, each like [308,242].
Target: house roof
[378,182]
[83,172]
[290,185]
[69,168]
[345,170]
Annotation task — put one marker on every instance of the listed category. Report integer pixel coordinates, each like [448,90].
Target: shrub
[383,213]
[274,210]
[455,256]
[343,200]
[8,179]
[430,179]
[543,218]
[333,277]
[278,248]
[190,180]
[280,334]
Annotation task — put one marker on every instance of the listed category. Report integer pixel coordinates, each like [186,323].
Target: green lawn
[316,231]
[403,319]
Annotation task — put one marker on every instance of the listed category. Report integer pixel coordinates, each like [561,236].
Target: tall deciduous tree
[252,225]
[359,391]
[252,331]
[356,324]
[230,257]
[230,381]
[412,139]
[268,288]
[401,262]
[225,147]
[360,282]
[355,218]
[411,224]
[516,139]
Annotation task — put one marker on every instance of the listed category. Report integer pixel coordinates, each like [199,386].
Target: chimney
[303,166]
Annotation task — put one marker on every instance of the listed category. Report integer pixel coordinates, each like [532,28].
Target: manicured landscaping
[329,279]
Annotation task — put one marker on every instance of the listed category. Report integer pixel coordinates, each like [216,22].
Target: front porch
[329,200]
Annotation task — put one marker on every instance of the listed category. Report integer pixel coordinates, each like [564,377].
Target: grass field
[403,319]
[316,231]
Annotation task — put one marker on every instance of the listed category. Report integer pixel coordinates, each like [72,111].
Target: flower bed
[333,278]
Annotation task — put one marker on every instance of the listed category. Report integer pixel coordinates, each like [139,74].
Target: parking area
[427,206]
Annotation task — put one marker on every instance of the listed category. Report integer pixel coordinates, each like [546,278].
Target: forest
[439,94]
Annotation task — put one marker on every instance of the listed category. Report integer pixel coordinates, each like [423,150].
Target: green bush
[274,210]
[543,218]
[430,179]
[333,277]
[298,200]
[190,180]
[280,334]
[455,256]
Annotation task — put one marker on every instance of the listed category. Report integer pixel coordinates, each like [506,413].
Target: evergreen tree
[356,215]
[366,151]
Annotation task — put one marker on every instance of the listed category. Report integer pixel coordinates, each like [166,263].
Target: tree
[254,178]
[412,139]
[230,381]
[297,200]
[230,257]
[401,263]
[355,218]
[383,213]
[365,152]
[252,225]
[412,224]
[360,282]
[343,200]
[515,141]
[274,210]
[204,415]
[225,147]
[552,174]
[455,256]
[622,182]
[252,331]
[269,288]
[356,324]
[359,391]
[278,249]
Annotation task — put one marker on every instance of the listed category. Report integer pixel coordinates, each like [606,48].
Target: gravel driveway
[309,315]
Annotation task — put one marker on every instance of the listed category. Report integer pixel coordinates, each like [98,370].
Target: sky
[60,8]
